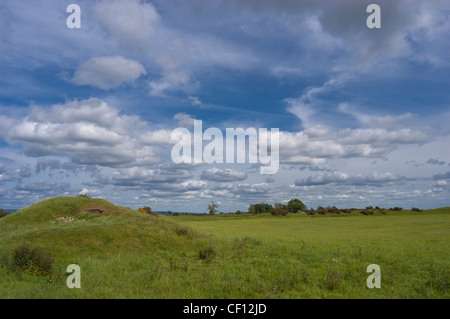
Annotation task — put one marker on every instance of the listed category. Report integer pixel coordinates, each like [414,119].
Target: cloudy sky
[362,113]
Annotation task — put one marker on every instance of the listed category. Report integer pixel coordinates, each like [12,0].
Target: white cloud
[132,23]
[374,179]
[108,72]
[87,131]
[223,175]
[184,120]
[143,177]
[194,100]
[90,192]
[374,121]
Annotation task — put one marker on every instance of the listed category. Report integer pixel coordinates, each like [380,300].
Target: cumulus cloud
[176,54]
[89,132]
[44,187]
[374,179]
[223,175]
[108,72]
[16,174]
[318,142]
[143,177]
[299,148]
[132,23]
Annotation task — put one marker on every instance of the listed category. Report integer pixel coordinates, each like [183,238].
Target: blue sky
[362,113]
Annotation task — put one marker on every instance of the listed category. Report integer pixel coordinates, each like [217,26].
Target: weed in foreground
[207,254]
[33,261]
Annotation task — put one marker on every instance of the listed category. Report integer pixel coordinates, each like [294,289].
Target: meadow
[123,253]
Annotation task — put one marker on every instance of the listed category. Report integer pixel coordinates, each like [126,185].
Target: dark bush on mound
[415,209]
[33,261]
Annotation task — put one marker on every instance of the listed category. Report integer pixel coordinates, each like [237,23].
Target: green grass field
[126,254]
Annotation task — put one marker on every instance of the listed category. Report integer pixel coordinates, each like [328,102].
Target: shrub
[176,214]
[346,210]
[367,212]
[415,209]
[32,260]
[398,209]
[310,212]
[383,212]
[182,231]
[147,210]
[333,279]
[333,210]
[279,212]
[207,254]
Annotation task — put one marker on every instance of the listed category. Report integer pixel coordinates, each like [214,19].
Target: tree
[260,208]
[296,205]
[213,207]
[281,206]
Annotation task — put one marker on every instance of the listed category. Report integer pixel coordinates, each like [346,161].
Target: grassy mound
[120,251]
[50,209]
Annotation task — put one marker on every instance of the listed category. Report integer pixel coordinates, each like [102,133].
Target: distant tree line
[297,206]
[279,209]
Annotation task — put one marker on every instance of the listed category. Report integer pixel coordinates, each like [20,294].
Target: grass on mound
[49,209]
[120,251]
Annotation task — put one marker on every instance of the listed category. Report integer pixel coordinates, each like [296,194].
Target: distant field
[126,254]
